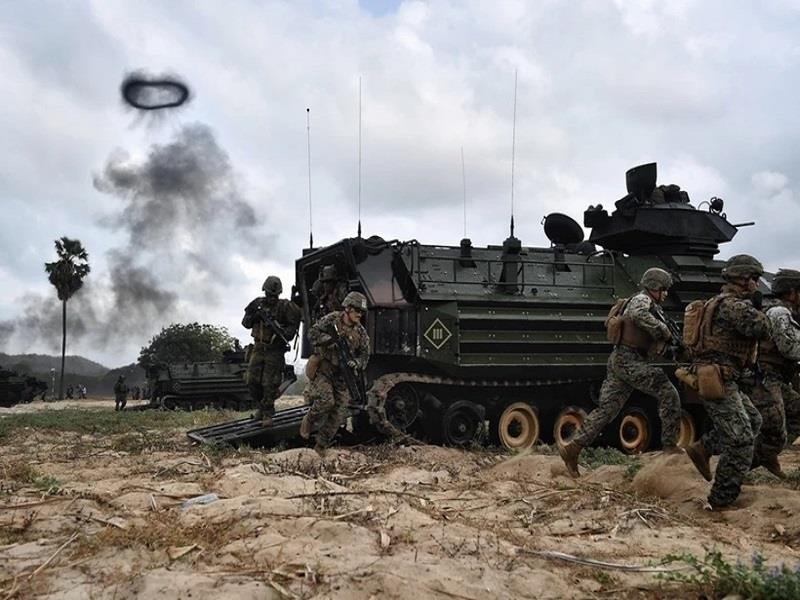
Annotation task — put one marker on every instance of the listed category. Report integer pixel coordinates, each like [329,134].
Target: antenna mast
[464,188]
[359,156]
[308,139]
[513,151]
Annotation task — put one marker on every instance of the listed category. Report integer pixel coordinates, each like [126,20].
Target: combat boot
[569,454]
[305,427]
[700,458]
[321,450]
[772,465]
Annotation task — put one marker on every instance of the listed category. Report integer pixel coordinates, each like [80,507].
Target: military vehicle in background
[192,386]
[512,336]
[16,388]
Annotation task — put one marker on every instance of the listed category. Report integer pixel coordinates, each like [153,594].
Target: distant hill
[42,363]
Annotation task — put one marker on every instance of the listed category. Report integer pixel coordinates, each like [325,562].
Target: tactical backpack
[614,321]
[697,319]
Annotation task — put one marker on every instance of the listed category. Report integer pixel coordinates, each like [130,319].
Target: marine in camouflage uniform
[327,390]
[644,330]
[120,393]
[777,361]
[266,365]
[737,325]
[328,291]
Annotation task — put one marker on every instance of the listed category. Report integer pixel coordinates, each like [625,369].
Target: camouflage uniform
[327,392]
[777,361]
[328,293]
[120,394]
[266,365]
[736,323]
[628,370]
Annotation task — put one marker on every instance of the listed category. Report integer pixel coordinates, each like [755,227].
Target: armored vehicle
[16,388]
[512,337]
[191,386]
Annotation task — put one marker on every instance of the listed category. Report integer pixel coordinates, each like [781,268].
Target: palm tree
[67,274]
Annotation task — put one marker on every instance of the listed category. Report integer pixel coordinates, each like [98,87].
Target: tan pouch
[686,376]
[312,365]
[613,322]
[709,382]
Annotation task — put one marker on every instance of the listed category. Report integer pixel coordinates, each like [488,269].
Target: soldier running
[773,394]
[327,390]
[644,332]
[273,323]
[733,324]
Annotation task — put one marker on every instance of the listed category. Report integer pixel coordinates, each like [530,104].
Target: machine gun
[353,376]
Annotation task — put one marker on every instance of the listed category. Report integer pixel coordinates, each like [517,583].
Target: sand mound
[535,468]
[671,477]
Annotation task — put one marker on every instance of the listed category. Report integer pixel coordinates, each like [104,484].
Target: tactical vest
[729,342]
[330,355]
[770,358]
[621,329]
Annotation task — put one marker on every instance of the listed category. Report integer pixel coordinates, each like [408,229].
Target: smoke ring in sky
[146,93]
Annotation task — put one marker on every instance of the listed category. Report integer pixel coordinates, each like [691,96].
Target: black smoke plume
[182,218]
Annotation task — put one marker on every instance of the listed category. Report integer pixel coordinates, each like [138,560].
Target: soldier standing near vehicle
[273,323]
[327,389]
[731,325]
[120,393]
[639,331]
[329,292]
[773,395]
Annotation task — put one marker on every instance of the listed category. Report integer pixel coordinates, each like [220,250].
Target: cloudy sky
[184,215]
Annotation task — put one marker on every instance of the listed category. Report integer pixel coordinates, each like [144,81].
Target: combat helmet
[355,300]
[785,280]
[328,273]
[272,286]
[742,265]
[656,279]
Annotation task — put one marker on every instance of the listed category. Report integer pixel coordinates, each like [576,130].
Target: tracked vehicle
[16,388]
[512,336]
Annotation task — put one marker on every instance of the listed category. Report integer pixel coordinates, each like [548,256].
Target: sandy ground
[85,516]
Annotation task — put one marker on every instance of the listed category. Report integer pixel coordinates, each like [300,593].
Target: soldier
[773,395]
[327,390]
[328,291]
[644,331]
[120,393]
[273,323]
[732,330]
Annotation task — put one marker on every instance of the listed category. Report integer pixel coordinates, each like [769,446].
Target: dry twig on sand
[600,564]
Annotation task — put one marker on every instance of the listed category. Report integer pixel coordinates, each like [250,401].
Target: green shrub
[715,577]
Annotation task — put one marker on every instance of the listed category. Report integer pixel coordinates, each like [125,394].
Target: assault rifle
[266,316]
[676,350]
[353,376]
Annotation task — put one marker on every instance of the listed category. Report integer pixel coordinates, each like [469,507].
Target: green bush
[715,577]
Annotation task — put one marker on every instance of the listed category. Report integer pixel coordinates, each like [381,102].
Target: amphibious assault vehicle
[511,336]
[17,388]
[212,384]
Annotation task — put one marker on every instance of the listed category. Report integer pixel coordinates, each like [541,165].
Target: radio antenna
[308,139]
[464,189]
[513,150]
[359,156]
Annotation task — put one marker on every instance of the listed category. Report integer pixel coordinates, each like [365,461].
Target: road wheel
[634,432]
[462,423]
[518,426]
[688,431]
[568,421]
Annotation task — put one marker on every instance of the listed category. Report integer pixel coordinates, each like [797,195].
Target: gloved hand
[352,364]
[757,299]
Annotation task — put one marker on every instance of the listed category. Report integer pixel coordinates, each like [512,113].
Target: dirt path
[86,515]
